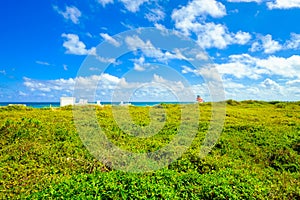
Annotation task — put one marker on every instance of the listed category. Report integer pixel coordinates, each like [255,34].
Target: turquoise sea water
[57,104]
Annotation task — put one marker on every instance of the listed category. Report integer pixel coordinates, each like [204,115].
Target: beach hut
[66,101]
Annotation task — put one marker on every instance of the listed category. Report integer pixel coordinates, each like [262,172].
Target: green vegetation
[256,157]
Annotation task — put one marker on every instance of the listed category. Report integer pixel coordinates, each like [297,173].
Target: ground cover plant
[256,157]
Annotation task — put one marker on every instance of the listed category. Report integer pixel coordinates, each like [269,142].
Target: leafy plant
[256,157]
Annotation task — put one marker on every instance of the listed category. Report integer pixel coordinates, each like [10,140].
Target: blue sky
[254,45]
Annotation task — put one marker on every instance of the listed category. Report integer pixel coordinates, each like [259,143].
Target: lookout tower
[199,99]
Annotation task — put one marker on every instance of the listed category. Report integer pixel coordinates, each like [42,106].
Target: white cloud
[274,4]
[67,85]
[108,86]
[22,94]
[242,37]
[229,84]
[241,66]
[42,63]
[75,46]
[133,5]
[265,89]
[217,35]
[247,1]
[134,43]
[187,18]
[269,45]
[186,70]
[36,86]
[266,44]
[283,4]
[138,67]
[246,66]
[285,67]
[3,72]
[155,15]
[270,84]
[94,69]
[181,90]
[139,64]
[294,82]
[161,28]
[199,8]
[208,73]
[71,13]
[202,56]
[106,60]
[191,19]
[294,42]
[110,39]
[105,2]
[176,54]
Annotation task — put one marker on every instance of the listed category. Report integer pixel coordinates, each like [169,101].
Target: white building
[66,101]
[83,101]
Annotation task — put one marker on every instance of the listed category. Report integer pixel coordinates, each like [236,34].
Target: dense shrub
[256,157]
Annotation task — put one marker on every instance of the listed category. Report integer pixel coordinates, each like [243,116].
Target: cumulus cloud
[285,67]
[246,66]
[263,89]
[105,2]
[217,35]
[267,89]
[136,43]
[270,84]
[71,13]
[294,82]
[208,73]
[247,1]
[75,46]
[241,66]
[110,39]
[283,4]
[266,44]
[181,90]
[138,67]
[269,46]
[191,19]
[197,8]
[108,86]
[241,38]
[106,60]
[68,85]
[139,64]
[294,42]
[133,5]
[186,18]
[274,4]
[155,15]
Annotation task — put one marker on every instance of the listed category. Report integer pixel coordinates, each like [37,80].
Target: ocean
[57,104]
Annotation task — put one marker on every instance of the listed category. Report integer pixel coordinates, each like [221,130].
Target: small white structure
[99,103]
[66,101]
[83,101]
[124,104]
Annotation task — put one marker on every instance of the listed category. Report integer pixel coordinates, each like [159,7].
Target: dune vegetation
[256,157]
